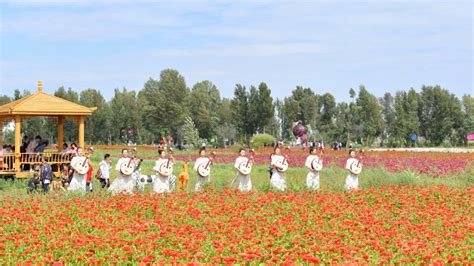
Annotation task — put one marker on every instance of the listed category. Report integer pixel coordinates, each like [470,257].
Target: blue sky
[329,46]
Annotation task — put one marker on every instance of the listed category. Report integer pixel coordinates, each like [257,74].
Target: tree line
[167,107]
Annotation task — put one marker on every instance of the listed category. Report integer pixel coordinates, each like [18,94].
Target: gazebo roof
[43,104]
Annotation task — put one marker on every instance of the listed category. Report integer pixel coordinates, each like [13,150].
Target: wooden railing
[7,163]
[28,161]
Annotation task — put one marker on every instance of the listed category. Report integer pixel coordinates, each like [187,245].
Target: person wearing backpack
[103,173]
[46,174]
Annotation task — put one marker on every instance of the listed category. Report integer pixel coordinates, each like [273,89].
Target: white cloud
[316,41]
[269,49]
[103,24]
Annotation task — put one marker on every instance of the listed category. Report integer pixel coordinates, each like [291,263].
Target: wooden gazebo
[39,104]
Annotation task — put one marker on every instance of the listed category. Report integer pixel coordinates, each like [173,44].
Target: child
[89,177]
[33,183]
[66,175]
[104,168]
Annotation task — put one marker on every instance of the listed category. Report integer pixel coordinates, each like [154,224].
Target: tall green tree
[240,113]
[71,127]
[226,134]
[467,117]
[203,102]
[125,115]
[407,120]
[163,100]
[400,123]
[225,112]
[189,132]
[266,108]
[4,99]
[370,112]
[411,110]
[261,111]
[288,110]
[98,125]
[308,103]
[388,114]
[440,114]
[147,98]
[253,117]
[344,123]
[302,106]
[327,120]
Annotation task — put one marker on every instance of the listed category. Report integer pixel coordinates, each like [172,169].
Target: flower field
[412,208]
[436,166]
[395,224]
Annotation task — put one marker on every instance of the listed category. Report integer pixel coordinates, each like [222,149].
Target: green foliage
[468,118]
[265,108]
[203,101]
[99,125]
[388,114]
[370,113]
[226,134]
[4,99]
[261,140]
[327,120]
[162,103]
[160,107]
[344,122]
[71,127]
[190,133]
[440,114]
[124,114]
[302,105]
[252,111]
[225,112]
[240,112]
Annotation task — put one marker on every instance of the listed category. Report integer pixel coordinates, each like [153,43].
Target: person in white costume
[312,178]
[78,181]
[244,181]
[123,183]
[352,180]
[202,159]
[278,179]
[162,183]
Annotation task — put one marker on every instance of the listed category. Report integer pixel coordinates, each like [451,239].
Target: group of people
[33,146]
[314,164]
[43,174]
[278,167]
[78,174]
[36,145]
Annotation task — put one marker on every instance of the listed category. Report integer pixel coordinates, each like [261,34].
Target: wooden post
[81,131]
[60,133]
[17,142]
[1,131]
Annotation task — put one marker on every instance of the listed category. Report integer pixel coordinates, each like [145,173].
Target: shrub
[260,140]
